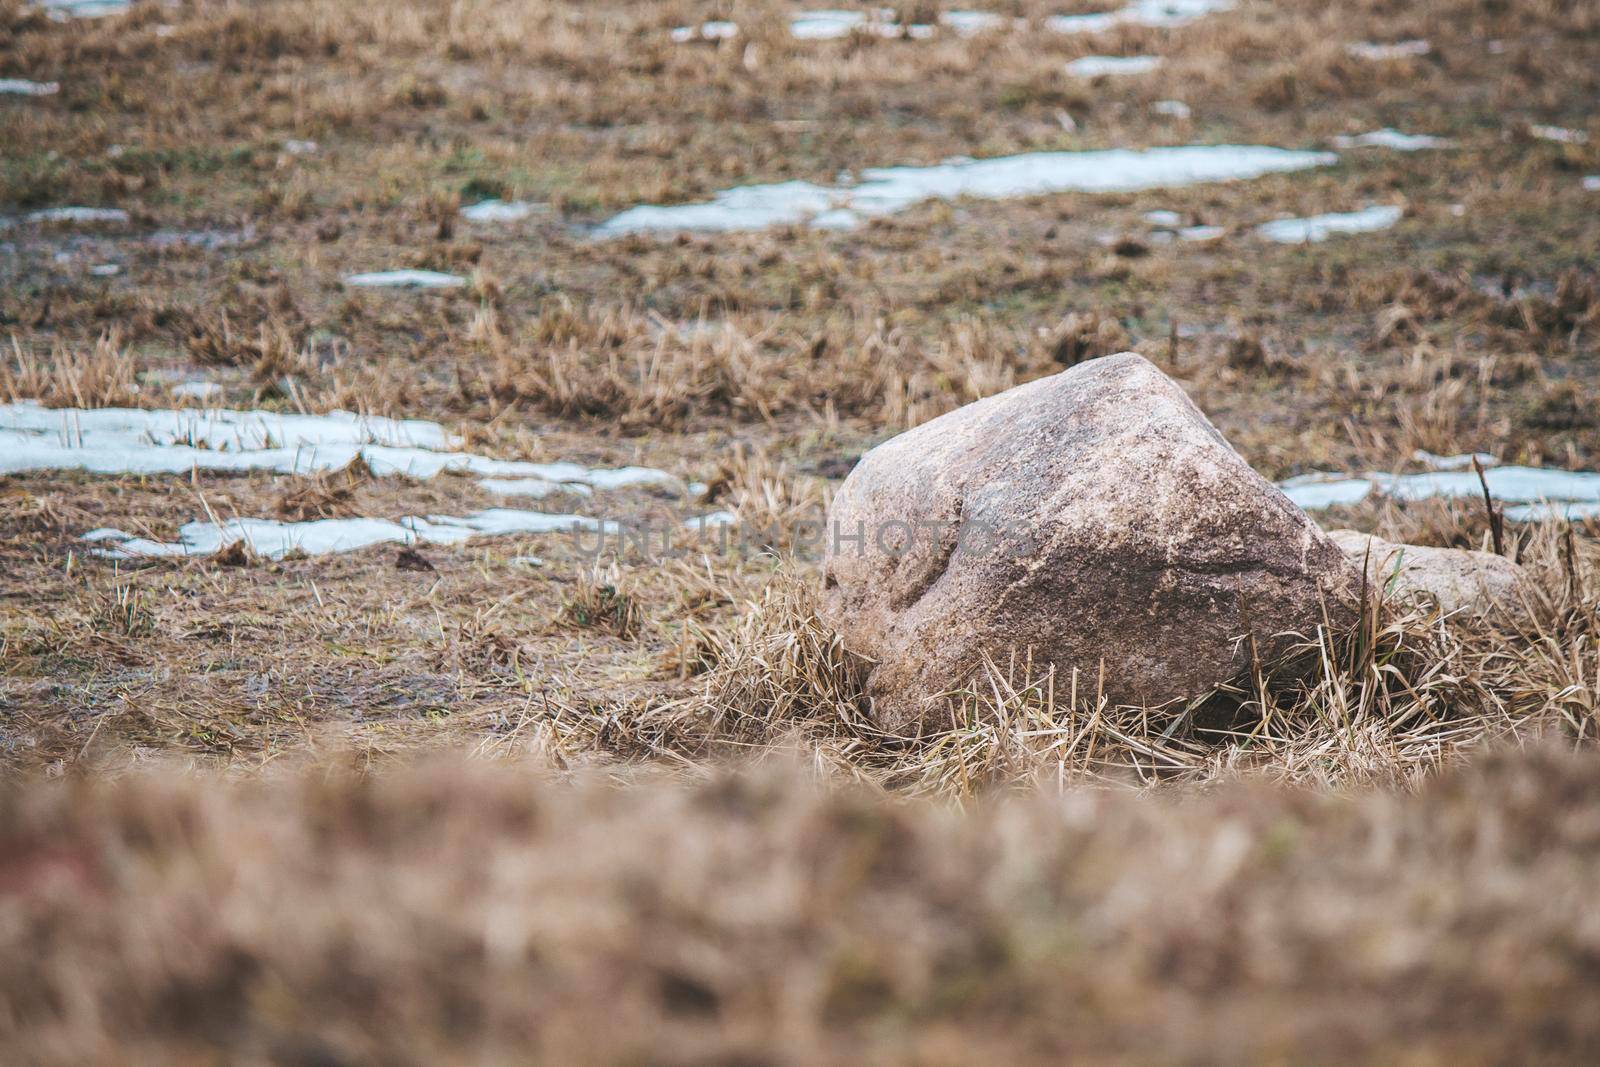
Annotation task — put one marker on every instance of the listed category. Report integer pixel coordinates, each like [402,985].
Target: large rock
[1094,517]
[1457,580]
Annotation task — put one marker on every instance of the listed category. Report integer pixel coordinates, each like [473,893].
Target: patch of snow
[1321,227]
[1547,512]
[1313,495]
[177,441]
[1163,218]
[715,520]
[76,214]
[208,239]
[1559,134]
[1107,66]
[1201,233]
[972,23]
[1591,183]
[62,10]
[105,270]
[1175,109]
[499,211]
[831,24]
[1160,13]
[300,148]
[749,207]
[1389,138]
[24,87]
[1395,50]
[1540,491]
[406,279]
[885,190]
[715,30]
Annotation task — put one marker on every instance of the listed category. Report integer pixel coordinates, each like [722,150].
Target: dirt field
[491,800]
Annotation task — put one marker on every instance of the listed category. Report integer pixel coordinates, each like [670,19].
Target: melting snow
[831,24]
[1321,227]
[71,214]
[499,211]
[1559,134]
[1100,66]
[1138,13]
[1163,218]
[972,23]
[406,279]
[176,441]
[62,10]
[1388,138]
[885,190]
[715,30]
[1591,183]
[24,87]
[1201,233]
[1397,50]
[1541,493]
[274,539]
[1175,109]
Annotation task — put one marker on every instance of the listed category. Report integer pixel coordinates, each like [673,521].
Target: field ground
[1412,918]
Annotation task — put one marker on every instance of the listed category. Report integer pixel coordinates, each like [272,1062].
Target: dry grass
[471,914]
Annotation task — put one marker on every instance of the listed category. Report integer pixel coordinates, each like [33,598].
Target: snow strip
[275,540]
[1104,66]
[1397,50]
[405,279]
[1390,138]
[317,537]
[24,87]
[62,10]
[972,23]
[1559,134]
[715,30]
[1138,13]
[499,211]
[1321,227]
[832,24]
[885,190]
[120,441]
[49,215]
[1539,492]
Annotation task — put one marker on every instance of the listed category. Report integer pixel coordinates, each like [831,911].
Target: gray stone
[1458,580]
[1094,517]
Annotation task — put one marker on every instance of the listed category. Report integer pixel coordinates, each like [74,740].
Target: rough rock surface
[1093,517]
[1457,579]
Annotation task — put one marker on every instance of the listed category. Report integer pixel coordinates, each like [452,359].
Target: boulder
[1094,518]
[1458,580]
